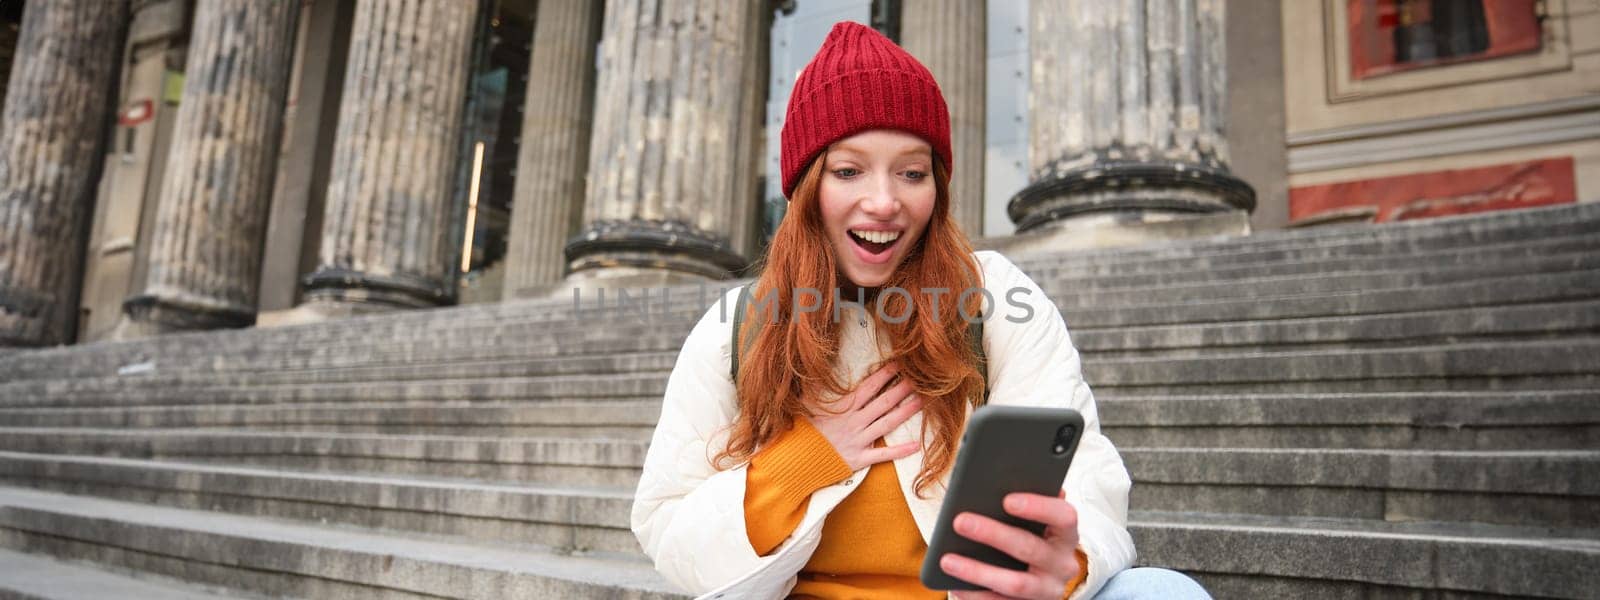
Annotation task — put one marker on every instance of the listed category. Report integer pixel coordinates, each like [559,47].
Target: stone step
[1488,420]
[452,347]
[598,463]
[1329,277]
[553,388]
[1334,242]
[1301,262]
[1065,291]
[1242,556]
[566,518]
[1291,479]
[428,366]
[1493,291]
[1349,333]
[534,344]
[1344,333]
[1462,363]
[1234,555]
[281,557]
[1322,537]
[1548,487]
[33,577]
[1561,363]
[217,352]
[628,418]
[1556,489]
[1510,231]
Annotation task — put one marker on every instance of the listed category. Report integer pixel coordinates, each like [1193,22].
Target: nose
[880,201]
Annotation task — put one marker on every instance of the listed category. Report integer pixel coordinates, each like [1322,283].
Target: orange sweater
[847,563]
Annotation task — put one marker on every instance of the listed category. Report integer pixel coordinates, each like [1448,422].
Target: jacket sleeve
[1033,362]
[684,508]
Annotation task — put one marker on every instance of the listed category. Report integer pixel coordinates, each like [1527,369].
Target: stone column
[1127,107]
[748,203]
[556,119]
[57,109]
[387,228]
[663,165]
[205,256]
[950,38]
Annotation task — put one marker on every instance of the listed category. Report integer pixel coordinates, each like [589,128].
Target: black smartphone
[1005,450]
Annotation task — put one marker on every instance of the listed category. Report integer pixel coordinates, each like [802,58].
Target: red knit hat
[860,80]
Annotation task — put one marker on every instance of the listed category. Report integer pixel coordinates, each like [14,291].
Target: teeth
[877,237]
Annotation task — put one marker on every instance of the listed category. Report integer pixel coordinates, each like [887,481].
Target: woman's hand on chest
[867,413]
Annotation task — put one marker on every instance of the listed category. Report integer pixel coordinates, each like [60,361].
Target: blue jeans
[1148,583]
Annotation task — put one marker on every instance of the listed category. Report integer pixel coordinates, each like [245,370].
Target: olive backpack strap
[738,323]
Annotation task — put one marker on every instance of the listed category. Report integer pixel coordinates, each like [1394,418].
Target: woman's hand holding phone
[1052,559]
[866,416]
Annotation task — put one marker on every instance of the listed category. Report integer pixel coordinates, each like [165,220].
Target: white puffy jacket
[689,517]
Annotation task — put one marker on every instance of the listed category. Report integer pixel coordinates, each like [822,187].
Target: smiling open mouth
[874,242]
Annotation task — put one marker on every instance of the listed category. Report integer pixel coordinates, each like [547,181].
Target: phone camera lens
[1064,437]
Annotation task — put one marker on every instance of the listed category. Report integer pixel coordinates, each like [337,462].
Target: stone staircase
[1398,411]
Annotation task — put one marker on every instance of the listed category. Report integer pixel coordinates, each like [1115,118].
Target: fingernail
[1015,503]
[949,564]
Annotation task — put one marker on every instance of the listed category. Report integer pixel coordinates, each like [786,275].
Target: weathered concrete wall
[57,108]
[1469,114]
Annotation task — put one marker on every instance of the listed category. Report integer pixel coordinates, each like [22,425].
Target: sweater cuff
[799,462]
[780,480]
[1083,573]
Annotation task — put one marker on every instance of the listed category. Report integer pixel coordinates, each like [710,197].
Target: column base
[638,246]
[1123,186]
[344,286]
[152,314]
[24,318]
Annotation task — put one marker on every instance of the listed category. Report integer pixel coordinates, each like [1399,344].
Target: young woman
[817,470]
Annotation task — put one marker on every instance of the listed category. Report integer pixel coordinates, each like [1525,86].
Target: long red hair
[790,363]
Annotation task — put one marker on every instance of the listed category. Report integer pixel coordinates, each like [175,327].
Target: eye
[846,173]
[916,175]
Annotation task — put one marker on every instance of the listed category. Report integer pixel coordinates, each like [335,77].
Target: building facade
[175,165]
